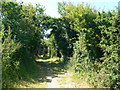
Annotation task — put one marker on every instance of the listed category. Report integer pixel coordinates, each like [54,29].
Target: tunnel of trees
[85,38]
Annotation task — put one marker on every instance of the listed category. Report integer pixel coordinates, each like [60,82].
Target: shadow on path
[49,70]
[45,72]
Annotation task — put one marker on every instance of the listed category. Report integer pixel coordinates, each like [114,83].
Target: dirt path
[53,76]
[63,80]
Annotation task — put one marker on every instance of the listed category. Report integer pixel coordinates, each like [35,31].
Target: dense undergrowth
[96,54]
[13,69]
[19,32]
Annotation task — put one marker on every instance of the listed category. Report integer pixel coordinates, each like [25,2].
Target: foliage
[90,39]
[96,53]
[10,64]
[22,35]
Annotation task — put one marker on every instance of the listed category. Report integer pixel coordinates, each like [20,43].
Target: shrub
[10,65]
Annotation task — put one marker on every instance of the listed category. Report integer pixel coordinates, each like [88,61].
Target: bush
[96,53]
[10,65]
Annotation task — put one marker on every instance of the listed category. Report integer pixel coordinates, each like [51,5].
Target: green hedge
[97,52]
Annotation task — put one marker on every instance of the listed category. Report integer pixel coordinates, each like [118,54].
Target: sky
[51,5]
